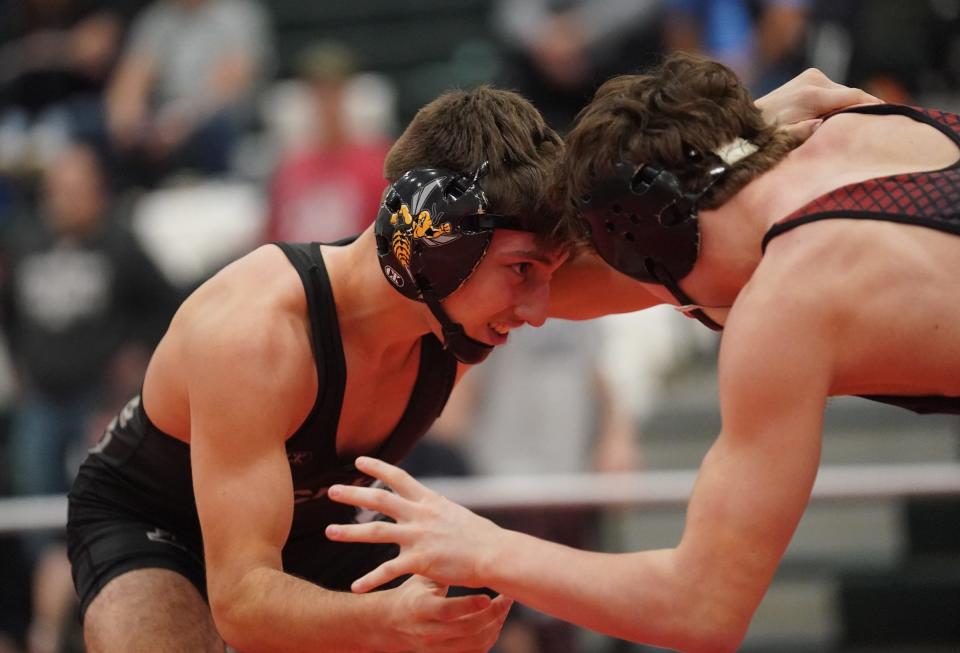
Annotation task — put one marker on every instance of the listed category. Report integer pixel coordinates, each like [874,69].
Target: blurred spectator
[330,186]
[899,51]
[184,84]
[83,306]
[762,40]
[55,58]
[542,404]
[558,51]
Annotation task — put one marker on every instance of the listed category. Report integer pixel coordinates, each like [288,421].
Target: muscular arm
[752,489]
[239,411]
[243,384]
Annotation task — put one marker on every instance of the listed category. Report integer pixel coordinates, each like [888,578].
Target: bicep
[585,287]
[241,409]
[244,498]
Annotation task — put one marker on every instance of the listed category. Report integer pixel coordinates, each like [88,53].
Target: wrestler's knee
[149,610]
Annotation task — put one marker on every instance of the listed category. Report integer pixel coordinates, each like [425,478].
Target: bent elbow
[706,622]
[718,640]
[720,632]
[227,606]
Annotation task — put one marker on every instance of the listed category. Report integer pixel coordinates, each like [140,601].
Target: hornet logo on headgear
[419,228]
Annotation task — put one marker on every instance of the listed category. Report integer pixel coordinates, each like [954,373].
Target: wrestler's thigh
[150,610]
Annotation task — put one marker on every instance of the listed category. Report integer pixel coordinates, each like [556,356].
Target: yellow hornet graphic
[401,247]
[422,227]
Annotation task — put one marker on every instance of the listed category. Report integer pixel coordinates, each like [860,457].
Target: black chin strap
[667,281]
[465,349]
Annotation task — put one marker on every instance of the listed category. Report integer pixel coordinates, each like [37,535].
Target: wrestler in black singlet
[132,504]
[926,199]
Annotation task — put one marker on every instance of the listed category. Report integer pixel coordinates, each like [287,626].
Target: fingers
[496,609]
[825,100]
[370,498]
[479,630]
[807,96]
[375,532]
[385,573]
[858,96]
[404,484]
[465,607]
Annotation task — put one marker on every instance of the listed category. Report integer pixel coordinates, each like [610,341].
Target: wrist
[490,560]
[383,608]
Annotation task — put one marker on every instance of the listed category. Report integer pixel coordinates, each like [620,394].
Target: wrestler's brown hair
[686,105]
[463,128]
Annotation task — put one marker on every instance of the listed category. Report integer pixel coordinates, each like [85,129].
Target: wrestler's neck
[729,255]
[732,235]
[372,315]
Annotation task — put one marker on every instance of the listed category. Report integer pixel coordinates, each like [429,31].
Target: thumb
[803,129]
[432,586]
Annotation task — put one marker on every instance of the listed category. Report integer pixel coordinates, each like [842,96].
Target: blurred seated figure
[558,51]
[762,40]
[82,305]
[328,186]
[55,58]
[183,85]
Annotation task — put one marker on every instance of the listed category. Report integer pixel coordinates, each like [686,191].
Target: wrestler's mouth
[499,331]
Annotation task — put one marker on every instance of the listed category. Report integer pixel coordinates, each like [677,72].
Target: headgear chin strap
[464,348]
[432,231]
[645,225]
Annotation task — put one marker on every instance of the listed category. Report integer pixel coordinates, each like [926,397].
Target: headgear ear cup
[432,231]
[641,213]
[644,224]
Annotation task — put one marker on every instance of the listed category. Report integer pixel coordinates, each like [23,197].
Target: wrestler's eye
[521,268]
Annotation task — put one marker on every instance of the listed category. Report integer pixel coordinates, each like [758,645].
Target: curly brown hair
[463,128]
[688,104]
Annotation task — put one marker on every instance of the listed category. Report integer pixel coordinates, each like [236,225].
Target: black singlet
[927,199]
[137,472]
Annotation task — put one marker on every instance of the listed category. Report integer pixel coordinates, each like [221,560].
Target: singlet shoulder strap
[327,344]
[435,379]
[883,198]
[946,123]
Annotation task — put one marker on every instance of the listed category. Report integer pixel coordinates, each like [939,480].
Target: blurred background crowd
[144,143]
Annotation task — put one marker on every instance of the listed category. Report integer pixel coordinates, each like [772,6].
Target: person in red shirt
[329,188]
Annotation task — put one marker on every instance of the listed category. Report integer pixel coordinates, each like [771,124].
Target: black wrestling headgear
[645,225]
[432,230]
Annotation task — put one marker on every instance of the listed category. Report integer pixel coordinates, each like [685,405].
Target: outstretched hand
[799,105]
[438,538]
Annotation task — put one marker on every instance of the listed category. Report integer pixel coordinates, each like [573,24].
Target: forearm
[585,288]
[646,597]
[274,612]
